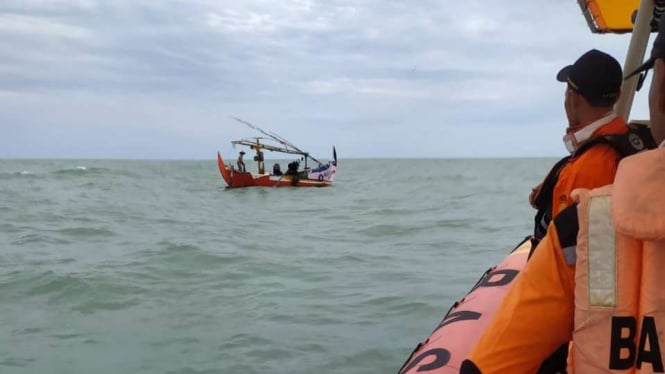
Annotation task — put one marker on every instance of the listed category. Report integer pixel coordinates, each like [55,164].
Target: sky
[139,79]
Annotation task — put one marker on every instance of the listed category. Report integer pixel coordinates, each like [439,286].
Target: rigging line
[277,138]
[273,137]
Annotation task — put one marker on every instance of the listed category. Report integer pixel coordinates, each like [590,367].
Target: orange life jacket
[592,165]
[599,284]
[619,293]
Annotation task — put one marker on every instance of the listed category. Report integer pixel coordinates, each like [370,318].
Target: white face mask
[579,134]
[570,142]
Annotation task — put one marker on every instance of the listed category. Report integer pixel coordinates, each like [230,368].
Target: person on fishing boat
[293,167]
[596,277]
[240,162]
[277,170]
[593,85]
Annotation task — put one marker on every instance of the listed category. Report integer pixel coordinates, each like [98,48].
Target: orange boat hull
[238,179]
[452,340]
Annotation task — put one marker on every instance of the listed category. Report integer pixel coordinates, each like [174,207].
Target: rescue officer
[593,85]
[596,277]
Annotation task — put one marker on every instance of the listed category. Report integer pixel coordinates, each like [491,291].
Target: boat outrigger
[320,176]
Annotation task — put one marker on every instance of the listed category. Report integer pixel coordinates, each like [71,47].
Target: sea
[143,266]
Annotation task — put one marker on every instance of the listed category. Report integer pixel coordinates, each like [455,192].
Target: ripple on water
[38,238]
[384,230]
[170,258]
[86,232]
[190,370]
[81,293]
[17,362]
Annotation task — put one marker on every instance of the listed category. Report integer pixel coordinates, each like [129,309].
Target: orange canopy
[614,16]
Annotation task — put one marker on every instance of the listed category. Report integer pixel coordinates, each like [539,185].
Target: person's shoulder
[616,126]
[598,153]
[597,166]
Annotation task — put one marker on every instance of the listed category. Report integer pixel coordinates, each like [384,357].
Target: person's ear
[575,98]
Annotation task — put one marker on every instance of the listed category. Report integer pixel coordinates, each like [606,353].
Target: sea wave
[79,292]
[82,170]
[22,175]
[77,170]
[85,232]
[157,263]
[31,238]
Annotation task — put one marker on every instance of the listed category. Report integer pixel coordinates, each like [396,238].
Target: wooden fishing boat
[320,176]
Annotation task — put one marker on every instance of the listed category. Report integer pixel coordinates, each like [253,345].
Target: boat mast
[259,156]
[635,56]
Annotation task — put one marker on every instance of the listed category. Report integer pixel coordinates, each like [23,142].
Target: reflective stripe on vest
[602,252]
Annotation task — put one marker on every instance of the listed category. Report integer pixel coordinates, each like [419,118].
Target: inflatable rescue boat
[450,342]
[459,330]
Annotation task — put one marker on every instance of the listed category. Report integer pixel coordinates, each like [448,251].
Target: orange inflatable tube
[452,340]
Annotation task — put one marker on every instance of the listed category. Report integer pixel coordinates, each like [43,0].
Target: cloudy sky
[146,79]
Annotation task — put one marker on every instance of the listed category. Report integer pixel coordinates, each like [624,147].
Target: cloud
[358,74]
[21,25]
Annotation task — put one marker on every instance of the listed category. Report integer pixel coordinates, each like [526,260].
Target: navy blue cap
[595,75]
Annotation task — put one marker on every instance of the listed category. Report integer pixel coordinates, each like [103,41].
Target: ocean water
[154,267]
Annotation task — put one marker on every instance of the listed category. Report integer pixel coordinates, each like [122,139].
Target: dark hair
[601,103]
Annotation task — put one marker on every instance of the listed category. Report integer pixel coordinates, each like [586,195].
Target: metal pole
[635,56]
